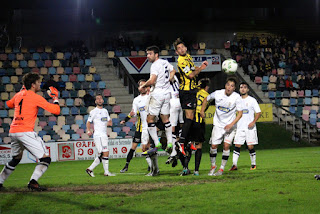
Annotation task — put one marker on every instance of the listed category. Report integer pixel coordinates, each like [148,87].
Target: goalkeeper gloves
[53,93]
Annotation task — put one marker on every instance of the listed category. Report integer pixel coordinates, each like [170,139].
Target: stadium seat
[87,62]
[47,63]
[93,85]
[315,101]
[77,85]
[258,80]
[65,111]
[96,77]
[116,109]
[126,129]
[76,70]
[69,102]
[307,93]
[315,93]
[81,78]
[102,85]
[111,100]
[4,96]
[115,122]
[19,56]
[7,140]
[69,86]
[81,93]
[65,94]
[68,70]
[307,101]
[72,78]
[113,135]
[285,102]
[92,70]
[75,110]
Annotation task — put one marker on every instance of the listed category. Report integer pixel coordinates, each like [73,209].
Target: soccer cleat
[185,172]
[175,162]
[212,170]
[156,172]
[150,152]
[109,174]
[181,149]
[192,147]
[169,148]
[149,174]
[170,159]
[33,185]
[196,173]
[219,173]
[90,172]
[253,167]
[159,146]
[233,168]
[317,177]
[125,168]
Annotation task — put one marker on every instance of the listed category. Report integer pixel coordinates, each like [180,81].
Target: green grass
[282,183]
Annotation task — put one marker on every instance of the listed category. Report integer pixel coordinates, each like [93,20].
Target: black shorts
[188,99]
[198,132]
[137,137]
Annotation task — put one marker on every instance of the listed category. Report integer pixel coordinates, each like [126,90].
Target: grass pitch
[282,183]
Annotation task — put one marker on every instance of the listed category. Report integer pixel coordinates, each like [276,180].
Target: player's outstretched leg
[8,169]
[95,163]
[40,169]
[317,177]
[129,157]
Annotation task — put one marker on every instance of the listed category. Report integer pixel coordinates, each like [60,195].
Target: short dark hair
[178,42]
[142,80]
[153,48]
[97,95]
[244,83]
[30,78]
[231,79]
[203,83]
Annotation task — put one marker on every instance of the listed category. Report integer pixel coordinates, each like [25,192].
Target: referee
[188,87]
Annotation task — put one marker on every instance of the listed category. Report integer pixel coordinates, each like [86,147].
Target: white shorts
[159,104]
[250,136]
[144,137]
[101,144]
[218,134]
[176,112]
[29,141]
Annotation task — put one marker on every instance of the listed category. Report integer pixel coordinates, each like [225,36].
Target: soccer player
[161,73]
[176,116]
[246,127]
[100,118]
[188,87]
[225,118]
[199,125]
[26,104]
[139,109]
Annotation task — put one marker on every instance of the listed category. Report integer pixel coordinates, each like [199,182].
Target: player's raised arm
[52,108]
[10,103]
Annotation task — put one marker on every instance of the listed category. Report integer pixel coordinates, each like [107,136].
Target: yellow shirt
[201,95]
[186,67]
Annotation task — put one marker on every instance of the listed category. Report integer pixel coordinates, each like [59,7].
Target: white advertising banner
[141,65]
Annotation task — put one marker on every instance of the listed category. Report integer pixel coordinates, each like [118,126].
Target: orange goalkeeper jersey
[26,104]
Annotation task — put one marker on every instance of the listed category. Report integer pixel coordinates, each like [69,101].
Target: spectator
[301,82]
[281,84]
[268,67]
[252,69]
[84,52]
[289,84]
[316,82]
[308,81]
[88,100]
[261,70]
[51,82]
[244,62]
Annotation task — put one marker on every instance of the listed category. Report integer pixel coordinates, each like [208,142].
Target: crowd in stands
[296,63]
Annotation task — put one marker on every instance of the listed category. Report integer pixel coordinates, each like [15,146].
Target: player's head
[180,47]
[204,84]
[99,100]
[153,53]
[143,90]
[230,86]
[244,88]
[32,81]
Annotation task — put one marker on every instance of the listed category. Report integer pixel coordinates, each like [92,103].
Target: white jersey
[226,107]
[161,68]
[140,104]
[174,89]
[99,117]
[250,107]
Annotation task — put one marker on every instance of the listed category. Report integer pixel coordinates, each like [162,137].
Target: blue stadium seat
[66,127]
[286,94]
[300,101]
[265,79]
[40,112]
[81,77]
[65,94]
[23,64]
[36,56]
[79,122]
[313,121]
[40,63]
[69,102]
[307,101]
[96,77]
[67,55]
[278,102]
[129,124]
[52,70]
[292,109]
[83,126]
[52,123]
[11,56]
[315,93]
[6,80]
[68,70]
[271,94]
[2,72]
[93,85]
[3,113]
[41,133]
[75,110]
[122,116]
[307,93]
[88,62]
[102,85]
[116,129]
[65,111]
[44,56]
[75,136]
[115,121]
[293,102]
[65,78]
[81,62]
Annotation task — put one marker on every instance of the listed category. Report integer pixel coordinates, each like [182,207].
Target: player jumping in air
[26,104]
[188,87]
[139,109]
[246,127]
[161,73]
[100,118]
[227,104]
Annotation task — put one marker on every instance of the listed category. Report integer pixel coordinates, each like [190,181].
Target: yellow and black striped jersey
[138,123]
[201,95]
[186,67]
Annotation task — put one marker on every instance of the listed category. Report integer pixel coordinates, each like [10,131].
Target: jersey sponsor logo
[224,109]
[103,119]
[245,111]
[142,109]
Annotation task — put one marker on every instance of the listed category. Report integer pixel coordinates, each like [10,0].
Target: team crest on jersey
[245,111]
[103,119]
[224,109]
